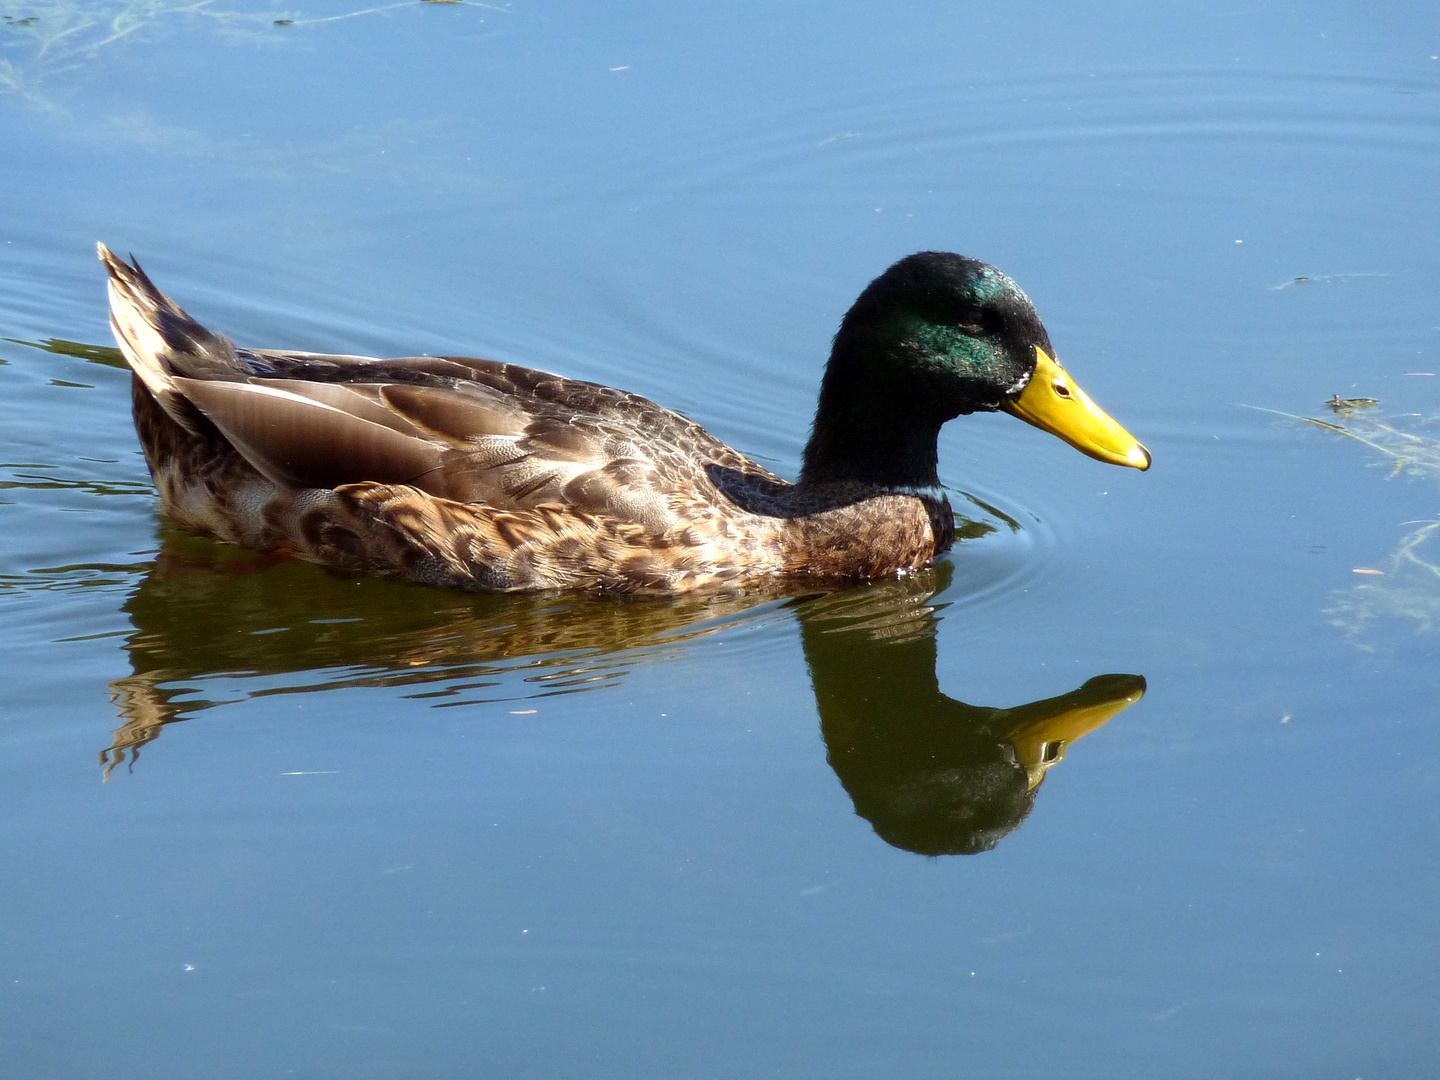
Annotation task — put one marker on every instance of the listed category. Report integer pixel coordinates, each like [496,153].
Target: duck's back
[471,430]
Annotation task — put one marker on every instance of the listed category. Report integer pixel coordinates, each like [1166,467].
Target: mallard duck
[477,474]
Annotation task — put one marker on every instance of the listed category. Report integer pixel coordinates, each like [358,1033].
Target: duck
[484,475]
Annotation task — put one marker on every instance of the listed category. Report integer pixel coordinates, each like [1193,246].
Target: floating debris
[1326,278]
[1406,585]
[1341,405]
[1409,589]
[55,37]
[1408,453]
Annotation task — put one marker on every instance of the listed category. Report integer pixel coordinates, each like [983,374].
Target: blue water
[356,829]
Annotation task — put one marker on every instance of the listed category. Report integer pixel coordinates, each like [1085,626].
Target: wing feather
[304,443]
[455,414]
[361,400]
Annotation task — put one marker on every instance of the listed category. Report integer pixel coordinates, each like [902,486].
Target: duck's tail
[160,341]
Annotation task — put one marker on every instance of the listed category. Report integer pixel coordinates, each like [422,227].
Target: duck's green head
[936,336]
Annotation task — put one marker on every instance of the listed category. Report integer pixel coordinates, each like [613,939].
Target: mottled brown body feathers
[476,474]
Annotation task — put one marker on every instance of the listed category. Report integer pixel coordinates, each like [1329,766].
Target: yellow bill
[1042,741]
[1053,403]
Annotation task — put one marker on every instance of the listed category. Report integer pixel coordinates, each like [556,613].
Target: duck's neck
[873,429]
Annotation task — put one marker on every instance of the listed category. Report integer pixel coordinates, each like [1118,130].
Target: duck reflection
[208,615]
[932,774]
[213,614]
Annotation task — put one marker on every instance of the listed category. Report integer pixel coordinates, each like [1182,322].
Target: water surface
[359,829]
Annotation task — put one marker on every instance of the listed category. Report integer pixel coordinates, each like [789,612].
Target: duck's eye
[1061,388]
